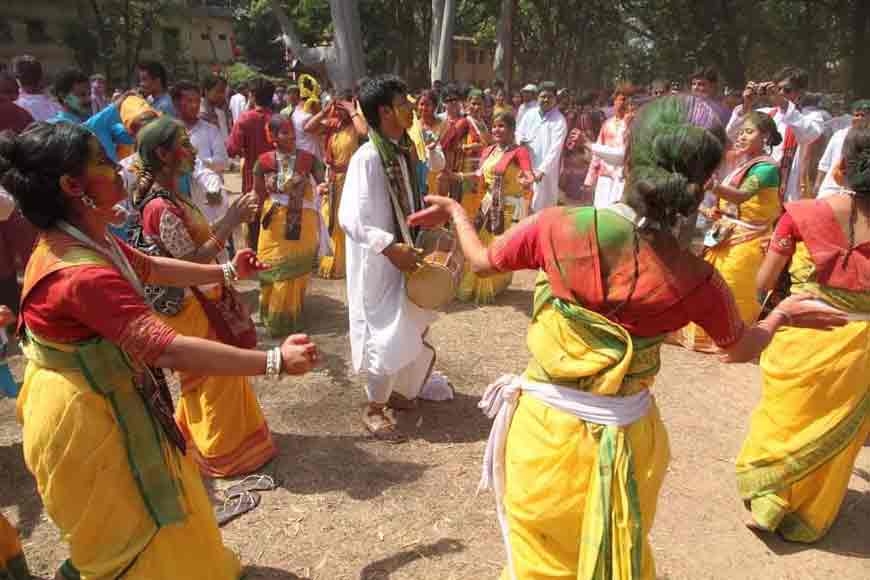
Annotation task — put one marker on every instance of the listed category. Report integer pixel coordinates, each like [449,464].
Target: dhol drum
[433,285]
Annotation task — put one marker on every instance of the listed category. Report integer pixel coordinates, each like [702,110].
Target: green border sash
[110,373]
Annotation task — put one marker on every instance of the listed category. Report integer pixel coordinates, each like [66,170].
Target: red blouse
[669,293]
[82,302]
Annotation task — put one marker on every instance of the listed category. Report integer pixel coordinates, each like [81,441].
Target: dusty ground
[350,508]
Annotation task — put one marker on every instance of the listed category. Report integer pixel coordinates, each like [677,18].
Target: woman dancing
[578,450]
[814,414]
[98,436]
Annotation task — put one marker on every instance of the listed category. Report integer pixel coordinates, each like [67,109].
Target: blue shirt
[105,125]
[163,103]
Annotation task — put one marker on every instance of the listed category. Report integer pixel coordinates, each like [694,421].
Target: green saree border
[15,569]
[107,369]
[289,269]
[770,476]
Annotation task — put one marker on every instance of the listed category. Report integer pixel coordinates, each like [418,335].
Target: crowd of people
[737,226]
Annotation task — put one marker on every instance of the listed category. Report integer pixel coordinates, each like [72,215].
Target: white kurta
[211,162]
[807,128]
[830,159]
[544,136]
[386,329]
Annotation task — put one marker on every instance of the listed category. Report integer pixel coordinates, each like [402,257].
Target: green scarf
[389,153]
[158,132]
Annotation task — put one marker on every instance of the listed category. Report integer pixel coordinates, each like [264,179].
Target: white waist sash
[500,400]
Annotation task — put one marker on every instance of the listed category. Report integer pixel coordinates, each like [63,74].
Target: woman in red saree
[98,434]
[578,451]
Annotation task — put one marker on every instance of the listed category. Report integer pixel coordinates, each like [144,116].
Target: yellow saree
[738,257]
[219,416]
[581,498]
[125,500]
[478,289]
[282,288]
[342,145]
[814,415]
[12,563]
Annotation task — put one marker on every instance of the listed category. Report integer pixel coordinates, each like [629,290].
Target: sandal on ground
[382,428]
[402,403]
[253,482]
[236,505]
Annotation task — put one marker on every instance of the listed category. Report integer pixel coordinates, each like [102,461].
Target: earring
[88,202]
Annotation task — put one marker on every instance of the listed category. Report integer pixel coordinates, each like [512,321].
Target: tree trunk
[343,60]
[503,63]
[858,54]
[441,39]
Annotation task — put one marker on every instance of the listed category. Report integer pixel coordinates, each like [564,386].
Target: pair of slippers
[242,497]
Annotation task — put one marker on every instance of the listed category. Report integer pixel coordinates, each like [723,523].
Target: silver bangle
[230,274]
[274,362]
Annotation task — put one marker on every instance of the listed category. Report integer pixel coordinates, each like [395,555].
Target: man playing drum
[386,329]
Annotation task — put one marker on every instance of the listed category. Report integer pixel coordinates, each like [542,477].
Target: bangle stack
[274,363]
[230,274]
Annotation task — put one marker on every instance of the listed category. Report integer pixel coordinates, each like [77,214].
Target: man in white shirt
[798,129]
[28,73]
[206,186]
[543,131]
[604,178]
[386,329]
[825,183]
[214,104]
[530,101]
[239,101]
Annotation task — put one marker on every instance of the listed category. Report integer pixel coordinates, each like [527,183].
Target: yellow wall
[472,64]
[191,20]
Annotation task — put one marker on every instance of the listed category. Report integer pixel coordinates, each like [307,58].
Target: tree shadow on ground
[847,537]
[17,487]
[382,569]
[519,299]
[314,464]
[265,573]
[455,421]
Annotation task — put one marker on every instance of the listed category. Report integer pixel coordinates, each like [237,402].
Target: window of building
[204,36]
[469,55]
[481,56]
[36,33]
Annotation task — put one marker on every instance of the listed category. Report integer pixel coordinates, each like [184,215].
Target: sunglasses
[787,89]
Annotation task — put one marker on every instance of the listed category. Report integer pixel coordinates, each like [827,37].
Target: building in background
[191,37]
[472,63]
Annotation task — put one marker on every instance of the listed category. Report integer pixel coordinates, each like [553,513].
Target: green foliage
[240,72]
[595,43]
[111,34]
